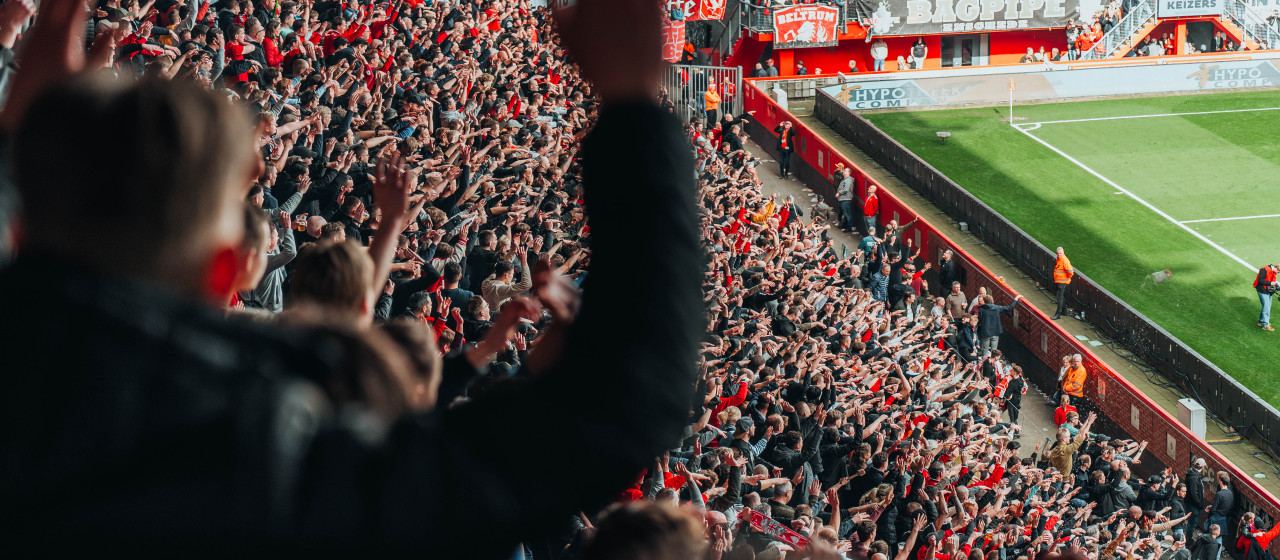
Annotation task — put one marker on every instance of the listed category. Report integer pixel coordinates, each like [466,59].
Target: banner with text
[672,41]
[1187,8]
[1058,84]
[810,25]
[925,17]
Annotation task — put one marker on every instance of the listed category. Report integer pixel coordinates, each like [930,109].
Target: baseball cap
[1199,462]
[304,152]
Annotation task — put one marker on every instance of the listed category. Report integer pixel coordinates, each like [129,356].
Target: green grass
[1191,167]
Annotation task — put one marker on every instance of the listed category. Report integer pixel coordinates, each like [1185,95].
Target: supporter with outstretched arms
[137,416]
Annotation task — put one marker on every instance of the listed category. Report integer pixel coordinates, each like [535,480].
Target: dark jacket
[791,137]
[1195,490]
[164,424]
[966,339]
[1205,547]
[989,319]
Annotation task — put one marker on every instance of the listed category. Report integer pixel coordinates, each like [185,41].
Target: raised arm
[655,279]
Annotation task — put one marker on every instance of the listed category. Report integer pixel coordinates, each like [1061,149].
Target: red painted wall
[1003,48]
[1113,395]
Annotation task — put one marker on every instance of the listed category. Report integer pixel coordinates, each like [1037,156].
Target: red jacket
[736,400]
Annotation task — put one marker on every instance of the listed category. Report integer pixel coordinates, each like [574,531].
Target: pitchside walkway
[1037,415]
[1245,455]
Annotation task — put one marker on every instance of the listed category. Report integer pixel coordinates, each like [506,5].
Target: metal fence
[1218,392]
[1121,37]
[800,87]
[685,86]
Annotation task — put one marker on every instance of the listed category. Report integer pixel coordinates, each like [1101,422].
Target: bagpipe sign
[923,17]
[809,25]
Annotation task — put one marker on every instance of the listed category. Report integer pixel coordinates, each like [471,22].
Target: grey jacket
[844,191]
[269,294]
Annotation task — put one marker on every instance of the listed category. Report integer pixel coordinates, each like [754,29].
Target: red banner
[711,9]
[774,529]
[695,10]
[810,25]
[672,41]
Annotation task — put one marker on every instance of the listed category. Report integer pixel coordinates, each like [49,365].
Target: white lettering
[1054,9]
[879,104]
[918,11]
[990,7]
[1028,8]
[967,10]
[944,13]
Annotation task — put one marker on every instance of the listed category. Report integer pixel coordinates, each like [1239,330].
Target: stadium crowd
[415,245]
[850,404]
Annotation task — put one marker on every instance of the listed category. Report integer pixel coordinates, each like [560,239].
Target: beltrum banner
[807,25]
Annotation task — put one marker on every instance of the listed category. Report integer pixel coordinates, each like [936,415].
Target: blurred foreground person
[136,415]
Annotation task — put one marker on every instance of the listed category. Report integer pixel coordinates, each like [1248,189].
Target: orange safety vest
[1266,274]
[713,100]
[1074,383]
[1062,271]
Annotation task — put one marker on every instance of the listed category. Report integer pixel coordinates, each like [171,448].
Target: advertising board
[1083,82]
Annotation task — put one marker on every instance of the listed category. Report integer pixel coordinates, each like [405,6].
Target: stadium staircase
[1248,28]
[1244,27]
[1127,33]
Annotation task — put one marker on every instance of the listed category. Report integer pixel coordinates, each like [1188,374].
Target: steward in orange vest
[1062,274]
[1074,383]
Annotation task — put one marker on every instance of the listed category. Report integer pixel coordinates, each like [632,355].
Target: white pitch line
[1135,197]
[1157,115]
[1229,219]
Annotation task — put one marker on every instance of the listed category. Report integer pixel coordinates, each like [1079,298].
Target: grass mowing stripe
[1158,211]
[1209,303]
[1157,115]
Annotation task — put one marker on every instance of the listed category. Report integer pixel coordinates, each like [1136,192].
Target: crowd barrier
[1131,411]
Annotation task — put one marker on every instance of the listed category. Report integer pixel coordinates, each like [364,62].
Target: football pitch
[1132,186]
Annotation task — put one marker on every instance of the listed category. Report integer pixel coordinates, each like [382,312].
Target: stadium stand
[454,280]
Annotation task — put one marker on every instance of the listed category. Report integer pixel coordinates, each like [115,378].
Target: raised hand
[596,42]
[391,187]
[13,15]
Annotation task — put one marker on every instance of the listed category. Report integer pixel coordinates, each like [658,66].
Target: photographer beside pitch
[1266,285]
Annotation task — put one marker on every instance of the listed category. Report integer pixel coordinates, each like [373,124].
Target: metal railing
[685,87]
[757,18]
[758,14]
[1253,26]
[1124,31]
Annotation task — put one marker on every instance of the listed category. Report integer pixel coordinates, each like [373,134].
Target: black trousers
[1014,411]
[784,162]
[1062,299]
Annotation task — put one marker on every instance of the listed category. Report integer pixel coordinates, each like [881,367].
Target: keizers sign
[811,25]
[1185,8]
[922,17]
